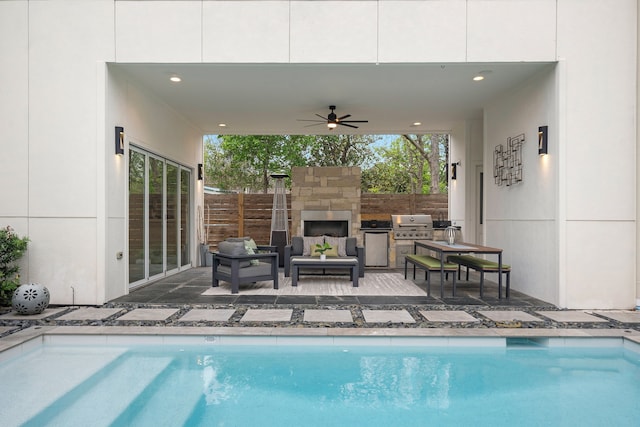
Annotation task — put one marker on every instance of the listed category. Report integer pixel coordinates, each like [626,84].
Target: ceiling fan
[332,120]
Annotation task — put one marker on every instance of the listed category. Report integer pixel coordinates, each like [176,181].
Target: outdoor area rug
[383,284]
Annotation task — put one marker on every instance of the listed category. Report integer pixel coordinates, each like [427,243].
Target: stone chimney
[325,189]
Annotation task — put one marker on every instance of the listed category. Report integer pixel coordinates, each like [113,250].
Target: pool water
[320,386]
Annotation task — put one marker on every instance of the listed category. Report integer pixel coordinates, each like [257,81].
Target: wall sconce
[200,172]
[119,140]
[543,147]
[454,170]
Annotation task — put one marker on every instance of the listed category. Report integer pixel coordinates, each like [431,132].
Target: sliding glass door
[173,225]
[159,217]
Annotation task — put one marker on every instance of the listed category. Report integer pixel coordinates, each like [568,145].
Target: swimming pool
[526,383]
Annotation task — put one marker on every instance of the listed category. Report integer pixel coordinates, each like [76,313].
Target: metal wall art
[507,162]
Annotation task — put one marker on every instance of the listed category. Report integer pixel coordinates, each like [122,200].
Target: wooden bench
[429,264]
[482,265]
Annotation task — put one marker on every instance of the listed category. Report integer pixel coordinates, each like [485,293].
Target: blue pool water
[320,386]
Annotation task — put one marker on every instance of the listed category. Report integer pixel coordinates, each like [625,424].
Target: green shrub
[12,248]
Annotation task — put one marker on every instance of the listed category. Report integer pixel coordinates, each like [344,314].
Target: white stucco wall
[597,209]
[151,125]
[521,219]
[458,187]
[67,188]
[53,197]
[473,165]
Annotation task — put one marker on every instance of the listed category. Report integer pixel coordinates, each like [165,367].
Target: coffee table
[330,262]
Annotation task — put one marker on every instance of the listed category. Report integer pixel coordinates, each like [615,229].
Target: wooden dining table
[443,249]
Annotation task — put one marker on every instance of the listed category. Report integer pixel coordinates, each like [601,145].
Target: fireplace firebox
[327,223]
[326,228]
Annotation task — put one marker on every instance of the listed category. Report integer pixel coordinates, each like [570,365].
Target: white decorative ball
[30,298]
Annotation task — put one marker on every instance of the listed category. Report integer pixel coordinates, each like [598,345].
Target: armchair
[232,264]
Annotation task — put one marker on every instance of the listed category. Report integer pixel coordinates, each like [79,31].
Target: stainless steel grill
[412,227]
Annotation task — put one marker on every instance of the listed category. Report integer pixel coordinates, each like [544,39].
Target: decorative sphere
[30,298]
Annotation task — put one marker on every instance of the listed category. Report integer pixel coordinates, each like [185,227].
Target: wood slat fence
[234,215]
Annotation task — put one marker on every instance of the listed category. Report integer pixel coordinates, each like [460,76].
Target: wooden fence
[233,215]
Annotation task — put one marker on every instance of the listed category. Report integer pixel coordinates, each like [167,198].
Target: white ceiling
[270,98]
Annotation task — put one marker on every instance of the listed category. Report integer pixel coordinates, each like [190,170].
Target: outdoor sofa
[345,247]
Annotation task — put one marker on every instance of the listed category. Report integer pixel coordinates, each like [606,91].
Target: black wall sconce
[543,147]
[200,172]
[119,140]
[454,170]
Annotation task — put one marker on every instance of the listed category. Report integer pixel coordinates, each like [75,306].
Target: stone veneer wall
[325,189]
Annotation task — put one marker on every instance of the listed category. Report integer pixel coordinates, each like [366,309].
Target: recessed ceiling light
[481,75]
[417,123]
[222,125]
[175,79]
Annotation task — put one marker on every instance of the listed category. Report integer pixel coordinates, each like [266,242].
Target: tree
[429,148]
[245,162]
[341,150]
[223,171]
[391,173]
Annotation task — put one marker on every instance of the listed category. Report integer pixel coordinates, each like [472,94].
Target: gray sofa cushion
[351,244]
[297,244]
[237,239]
[232,249]
[262,269]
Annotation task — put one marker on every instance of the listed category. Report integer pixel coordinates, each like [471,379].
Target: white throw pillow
[338,242]
[309,243]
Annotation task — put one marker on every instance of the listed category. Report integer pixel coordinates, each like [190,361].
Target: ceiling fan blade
[308,120]
[355,121]
[348,125]
[344,117]
[323,118]
[314,124]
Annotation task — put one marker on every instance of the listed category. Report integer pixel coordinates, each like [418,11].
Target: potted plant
[321,248]
[12,247]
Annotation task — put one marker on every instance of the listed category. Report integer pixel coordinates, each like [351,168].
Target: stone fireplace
[325,200]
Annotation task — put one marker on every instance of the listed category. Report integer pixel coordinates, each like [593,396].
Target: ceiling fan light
[332,125]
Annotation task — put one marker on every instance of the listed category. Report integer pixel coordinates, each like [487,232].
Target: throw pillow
[329,252]
[250,251]
[340,243]
[250,244]
[310,244]
[233,249]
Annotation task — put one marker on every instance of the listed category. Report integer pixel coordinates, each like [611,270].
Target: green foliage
[322,247]
[394,171]
[341,150]
[245,162]
[12,248]
[405,165]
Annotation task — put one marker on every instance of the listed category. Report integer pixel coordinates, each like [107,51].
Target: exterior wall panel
[158,31]
[334,31]
[245,31]
[422,31]
[14,110]
[502,30]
